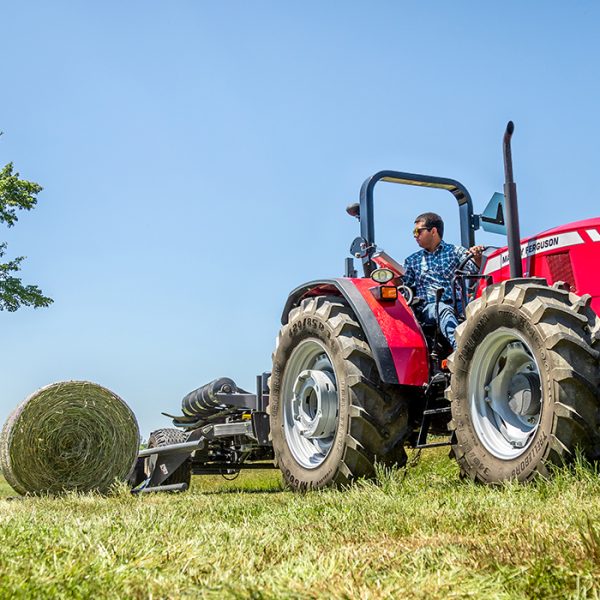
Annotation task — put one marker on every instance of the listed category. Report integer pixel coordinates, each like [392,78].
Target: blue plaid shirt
[427,271]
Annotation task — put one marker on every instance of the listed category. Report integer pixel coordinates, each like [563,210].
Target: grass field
[420,533]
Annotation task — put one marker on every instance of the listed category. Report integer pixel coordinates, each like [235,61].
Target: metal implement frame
[251,422]
[172,456]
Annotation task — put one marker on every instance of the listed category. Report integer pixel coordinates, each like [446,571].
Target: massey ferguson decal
[593,234]
[538,246]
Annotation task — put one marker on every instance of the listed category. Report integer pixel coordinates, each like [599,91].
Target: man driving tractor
[432,268]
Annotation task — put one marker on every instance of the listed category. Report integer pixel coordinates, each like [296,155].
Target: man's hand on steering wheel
[466,289]
[476,253]
[473,254]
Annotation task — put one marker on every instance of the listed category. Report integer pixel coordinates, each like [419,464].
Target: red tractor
[356,378]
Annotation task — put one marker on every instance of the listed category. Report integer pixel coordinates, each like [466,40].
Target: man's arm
[409,277]
[477,253]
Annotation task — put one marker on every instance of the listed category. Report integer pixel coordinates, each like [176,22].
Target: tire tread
[571,337]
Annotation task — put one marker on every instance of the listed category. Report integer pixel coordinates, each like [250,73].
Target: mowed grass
[419,533]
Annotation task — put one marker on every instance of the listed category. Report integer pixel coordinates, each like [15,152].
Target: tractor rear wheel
[524,389]
[331,417]
[166,437]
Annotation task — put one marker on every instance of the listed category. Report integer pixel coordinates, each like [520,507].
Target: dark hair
[432,220]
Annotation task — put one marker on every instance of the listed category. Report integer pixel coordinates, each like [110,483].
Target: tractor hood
[569,253]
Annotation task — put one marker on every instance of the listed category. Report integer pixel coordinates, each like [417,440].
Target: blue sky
[197,158]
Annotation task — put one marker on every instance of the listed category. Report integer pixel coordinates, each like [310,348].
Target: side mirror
[492,218]
[354,210]
[358,248]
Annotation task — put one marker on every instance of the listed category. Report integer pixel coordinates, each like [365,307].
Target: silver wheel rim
[310,404]
[505,393]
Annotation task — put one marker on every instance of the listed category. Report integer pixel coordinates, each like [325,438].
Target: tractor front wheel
[331,417]
[524,387]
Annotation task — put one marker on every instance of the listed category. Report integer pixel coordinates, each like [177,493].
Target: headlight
[382,275]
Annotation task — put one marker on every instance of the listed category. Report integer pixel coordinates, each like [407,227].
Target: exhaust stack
[512,211]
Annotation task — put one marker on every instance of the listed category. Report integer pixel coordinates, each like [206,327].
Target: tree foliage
[16,194]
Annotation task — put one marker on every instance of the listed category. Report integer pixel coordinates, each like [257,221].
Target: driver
[433,267]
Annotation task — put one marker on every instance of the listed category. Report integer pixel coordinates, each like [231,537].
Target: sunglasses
[417,230]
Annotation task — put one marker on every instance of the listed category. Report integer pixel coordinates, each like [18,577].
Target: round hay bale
[69,436]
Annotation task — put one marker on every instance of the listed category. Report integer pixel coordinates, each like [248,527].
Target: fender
[394,335]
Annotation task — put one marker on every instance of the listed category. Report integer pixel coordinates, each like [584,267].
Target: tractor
[356,379]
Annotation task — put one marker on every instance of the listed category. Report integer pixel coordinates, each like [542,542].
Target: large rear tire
[524,390]
[331,417]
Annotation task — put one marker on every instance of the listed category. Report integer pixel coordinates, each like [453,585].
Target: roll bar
[367,221]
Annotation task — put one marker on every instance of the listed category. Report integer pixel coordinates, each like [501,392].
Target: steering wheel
[463,263]
[407,293]
[468,290]
[469,257]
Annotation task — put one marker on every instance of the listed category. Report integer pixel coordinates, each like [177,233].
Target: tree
[16,194]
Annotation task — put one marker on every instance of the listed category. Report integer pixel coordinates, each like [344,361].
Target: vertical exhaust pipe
[512,212]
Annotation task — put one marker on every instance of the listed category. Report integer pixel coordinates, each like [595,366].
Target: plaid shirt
[427,271]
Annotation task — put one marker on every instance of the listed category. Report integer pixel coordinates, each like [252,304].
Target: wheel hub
[310,404]
[524,394]
[505,393]
[314,404]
